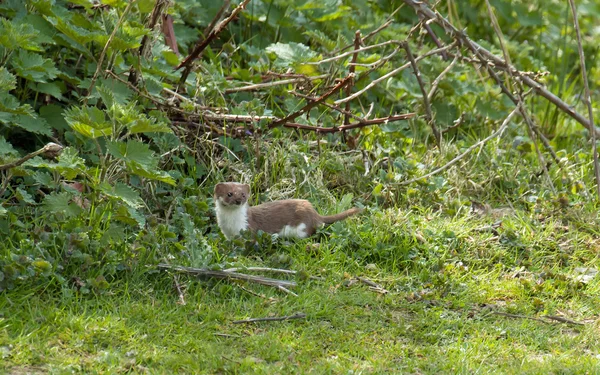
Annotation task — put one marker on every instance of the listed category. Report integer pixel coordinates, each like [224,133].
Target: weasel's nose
[238,201]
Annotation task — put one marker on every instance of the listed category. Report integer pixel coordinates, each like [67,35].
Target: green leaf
[11,106]
[7,80]
[54,116]
[88,121]
[290,53]
[69,164]
[43,178]
[51,88]
[146,6]
[32,124]
[151,174]
[34,67]
[3,211]
[147,125]
[61,203]
[139,159]
[341,11]
[6,149]
[132,151]
[124,193]
[24,196]
[107,96]
[21,37]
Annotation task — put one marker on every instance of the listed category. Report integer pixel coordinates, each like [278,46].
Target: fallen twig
[517,316]
[373,285]
[50,150]
[203,272]
[550,318]
[178,287]
[271,319]
[286,290]
[267,269]
[438,79]
[562,320]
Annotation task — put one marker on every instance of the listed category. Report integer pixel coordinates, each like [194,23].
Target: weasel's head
[231,194]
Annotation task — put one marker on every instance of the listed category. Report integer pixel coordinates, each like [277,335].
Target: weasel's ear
[219,188]
[246,189]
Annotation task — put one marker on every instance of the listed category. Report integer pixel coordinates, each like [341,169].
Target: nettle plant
[85,209]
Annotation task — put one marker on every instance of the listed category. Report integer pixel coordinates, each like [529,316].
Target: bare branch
[110,38]
[587,99]
[271,319]
[309,106]
[424,11]
[467,151]
[201,46]
[428,112]
[391,74]
[259,86]
[51,150]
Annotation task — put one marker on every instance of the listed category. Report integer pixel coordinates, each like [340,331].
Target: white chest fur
[232,219]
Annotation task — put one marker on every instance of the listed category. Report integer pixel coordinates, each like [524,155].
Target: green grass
[437,317]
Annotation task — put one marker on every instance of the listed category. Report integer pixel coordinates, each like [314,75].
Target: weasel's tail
[341,216]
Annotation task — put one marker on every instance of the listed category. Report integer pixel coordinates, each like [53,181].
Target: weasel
[287,218]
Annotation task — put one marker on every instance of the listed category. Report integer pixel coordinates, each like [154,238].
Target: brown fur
[272,217]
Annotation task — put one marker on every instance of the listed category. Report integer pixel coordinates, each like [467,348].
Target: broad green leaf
[43,178]
[147,125]
[50,88]
[88,121]
[151,174]
[18,37]
[34,67]
[69,164]
[53,114]
[133,151]
[290,53]
[341,11]
[24,196]
[7,80]
[61,203]
[78,34]
[130,216]
[146,6]
[3,211]
[32,124]
[6,149]
[108,97]
[11,106]
[124,193]
[120,92]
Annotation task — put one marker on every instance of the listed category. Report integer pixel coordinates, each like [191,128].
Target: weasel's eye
[243,195]
[230,194]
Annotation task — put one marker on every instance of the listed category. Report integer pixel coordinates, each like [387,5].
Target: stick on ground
[271,319]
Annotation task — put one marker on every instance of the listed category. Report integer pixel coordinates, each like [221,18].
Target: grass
[445,283]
